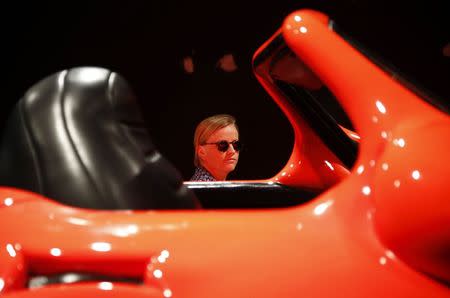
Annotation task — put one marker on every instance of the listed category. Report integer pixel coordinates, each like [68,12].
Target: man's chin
[230,167]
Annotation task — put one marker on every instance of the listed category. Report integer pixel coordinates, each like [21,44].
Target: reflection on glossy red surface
[382,231]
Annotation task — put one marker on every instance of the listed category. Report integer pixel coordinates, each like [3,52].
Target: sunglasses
[223,146]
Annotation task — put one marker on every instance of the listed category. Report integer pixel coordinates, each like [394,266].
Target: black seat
[78,137]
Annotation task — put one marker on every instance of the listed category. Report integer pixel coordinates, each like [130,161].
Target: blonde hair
[207,127]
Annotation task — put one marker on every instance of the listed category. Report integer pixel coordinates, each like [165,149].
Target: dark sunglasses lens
[222,146]
[237,145]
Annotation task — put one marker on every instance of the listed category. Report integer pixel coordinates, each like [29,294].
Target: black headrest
[78,137]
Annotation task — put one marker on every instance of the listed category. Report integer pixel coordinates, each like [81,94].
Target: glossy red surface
[381,230]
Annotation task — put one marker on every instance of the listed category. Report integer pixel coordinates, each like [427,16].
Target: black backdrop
[146,41]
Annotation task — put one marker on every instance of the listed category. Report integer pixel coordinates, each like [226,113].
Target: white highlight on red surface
[56,252]
[165,253]
[416,175]
[125,231]
[329,165]
[167,293]
[298,18]
[390,254]
[157,273]
[163,256]
[399,142]
[380,107]
[10,249]
[78,221]
[101,246]
[8,202]
[360,169]
[105,285]
[355,136]
[366,190]
[321,208]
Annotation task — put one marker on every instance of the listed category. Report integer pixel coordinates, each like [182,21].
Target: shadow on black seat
[78,137]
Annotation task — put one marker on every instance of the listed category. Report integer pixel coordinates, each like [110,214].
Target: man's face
[218,162]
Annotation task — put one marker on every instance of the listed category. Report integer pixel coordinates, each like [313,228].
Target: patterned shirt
[202,174]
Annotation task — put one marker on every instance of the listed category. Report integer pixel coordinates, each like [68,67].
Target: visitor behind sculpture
[216,148]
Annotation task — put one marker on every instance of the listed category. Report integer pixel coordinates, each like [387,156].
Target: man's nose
[231,148]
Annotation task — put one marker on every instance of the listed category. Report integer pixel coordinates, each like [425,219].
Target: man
[216,148]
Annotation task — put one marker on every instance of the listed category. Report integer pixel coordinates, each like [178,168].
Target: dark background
[146,42]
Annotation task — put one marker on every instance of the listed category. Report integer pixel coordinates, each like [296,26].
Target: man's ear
[201,152]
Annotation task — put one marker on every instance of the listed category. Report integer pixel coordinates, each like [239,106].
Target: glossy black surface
[78,137]
[229,195]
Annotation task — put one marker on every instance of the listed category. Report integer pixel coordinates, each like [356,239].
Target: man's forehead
[225,133]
